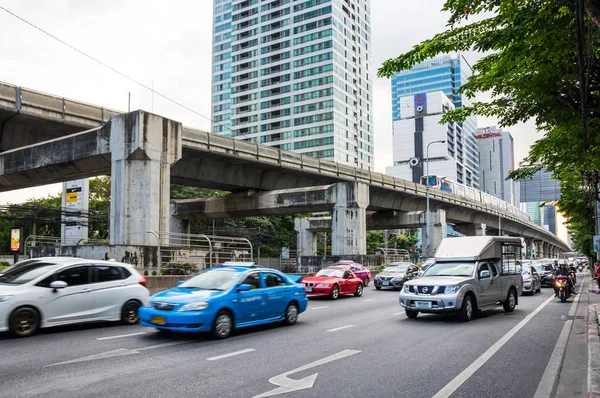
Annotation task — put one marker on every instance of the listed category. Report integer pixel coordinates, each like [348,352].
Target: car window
[107,273]
[273,280]
[493,268]
[484,267]
[253,280]
[347,274]
[75,276]
[21,274]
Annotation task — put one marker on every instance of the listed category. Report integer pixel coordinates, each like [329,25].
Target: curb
[593,369]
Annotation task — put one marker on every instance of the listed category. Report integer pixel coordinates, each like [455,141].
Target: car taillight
[522,280]
[142,280]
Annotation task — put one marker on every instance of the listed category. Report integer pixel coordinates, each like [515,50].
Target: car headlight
[323,285]
[4,298]
[451,289]
[195,306]
[406,289]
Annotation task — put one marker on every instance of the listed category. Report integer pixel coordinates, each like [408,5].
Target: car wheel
[411,314]
[129,313]
[510,302]
[539,290]
[291,314]
[222,325]
[367,280]
[377,287]
[335,292]
[24,322]
[466,311]
[359,290]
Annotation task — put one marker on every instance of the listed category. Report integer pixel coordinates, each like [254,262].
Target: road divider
[231,354]
[368,300]
[320,308]
[120,336]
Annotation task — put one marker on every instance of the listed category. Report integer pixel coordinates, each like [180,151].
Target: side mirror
[179,282]
[244,287]
[58,285]
[484,274]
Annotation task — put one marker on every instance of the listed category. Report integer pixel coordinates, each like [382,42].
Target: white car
[52,291]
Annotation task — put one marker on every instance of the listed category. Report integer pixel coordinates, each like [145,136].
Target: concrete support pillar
[545,250]
[537,244]
[306,241]
[349,219]
[471,229]
[529,250]
[180,230]
[438,231]
[143,148]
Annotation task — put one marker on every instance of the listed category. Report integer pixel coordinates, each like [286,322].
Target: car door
[278,293]
[537,280]
[349,282]
[72,303]
[107,291]
[484,284]
[359,271]
[251,304]
[496,287]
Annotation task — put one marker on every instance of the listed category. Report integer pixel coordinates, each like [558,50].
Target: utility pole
[427,229]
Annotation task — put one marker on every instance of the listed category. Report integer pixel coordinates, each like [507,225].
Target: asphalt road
[368,347]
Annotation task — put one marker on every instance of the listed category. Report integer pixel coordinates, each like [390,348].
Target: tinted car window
[21,274]
[273,280]
[106,273]
[494,270]
[75,276]
[253,280]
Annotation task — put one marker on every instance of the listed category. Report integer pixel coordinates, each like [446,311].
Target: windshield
[396,268]
[23,273]
[212,280]
[335,273]
[451,269]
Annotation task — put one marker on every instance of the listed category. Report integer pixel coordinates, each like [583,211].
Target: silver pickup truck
[469,274]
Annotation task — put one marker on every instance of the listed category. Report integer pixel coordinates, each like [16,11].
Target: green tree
[539,66]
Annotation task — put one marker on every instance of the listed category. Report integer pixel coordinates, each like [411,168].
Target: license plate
[308,289]
[159,320]
[423,304]
[386,283]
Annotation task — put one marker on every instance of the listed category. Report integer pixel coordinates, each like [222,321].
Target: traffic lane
[520,364]
[25,354]
[248,375]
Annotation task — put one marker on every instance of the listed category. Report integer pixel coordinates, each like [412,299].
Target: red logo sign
[489,135]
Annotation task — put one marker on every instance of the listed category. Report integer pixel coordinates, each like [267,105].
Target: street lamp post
[427,229]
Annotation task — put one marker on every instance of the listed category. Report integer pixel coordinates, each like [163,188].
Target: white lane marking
[320,308]
[119,336]
[151,347]
[398,313]
[286,384]
[550,375]
[231,354]
[479,362]
[368,300]
[340,328]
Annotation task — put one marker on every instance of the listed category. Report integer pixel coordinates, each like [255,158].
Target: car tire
[359,290]
[539,290]
[24,322]
[511,301]
[468,308]
[335,292]
[129,313]
[291,314]
[223,325]
[367,280]
[377,287]
[411,314]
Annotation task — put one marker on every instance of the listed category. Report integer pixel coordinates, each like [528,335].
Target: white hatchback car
[52,291]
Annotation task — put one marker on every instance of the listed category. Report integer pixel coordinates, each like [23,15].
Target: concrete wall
[139,256]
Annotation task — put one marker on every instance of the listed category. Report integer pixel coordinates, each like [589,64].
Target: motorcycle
[561,284]
[573,275]
[580,268]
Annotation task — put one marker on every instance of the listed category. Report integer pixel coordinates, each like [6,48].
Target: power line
[106,66]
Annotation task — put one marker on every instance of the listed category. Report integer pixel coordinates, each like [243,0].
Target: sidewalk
[593,368]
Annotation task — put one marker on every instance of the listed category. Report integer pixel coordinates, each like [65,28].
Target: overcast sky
[168,45]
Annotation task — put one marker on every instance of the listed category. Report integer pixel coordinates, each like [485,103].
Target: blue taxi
[218,300]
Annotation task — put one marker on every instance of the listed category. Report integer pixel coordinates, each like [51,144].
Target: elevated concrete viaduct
[46,139]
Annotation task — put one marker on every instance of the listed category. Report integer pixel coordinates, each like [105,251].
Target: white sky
[169,45]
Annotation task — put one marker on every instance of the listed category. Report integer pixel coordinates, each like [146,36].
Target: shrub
[179,269]
[289,268]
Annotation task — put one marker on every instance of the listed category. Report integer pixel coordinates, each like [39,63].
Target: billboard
[75,204]
[15,240]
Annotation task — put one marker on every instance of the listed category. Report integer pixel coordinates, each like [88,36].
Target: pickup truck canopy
[473,248]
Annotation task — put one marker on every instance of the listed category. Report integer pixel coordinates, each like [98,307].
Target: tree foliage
[533,68]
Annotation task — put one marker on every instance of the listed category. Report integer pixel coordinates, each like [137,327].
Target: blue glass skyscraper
[446,74]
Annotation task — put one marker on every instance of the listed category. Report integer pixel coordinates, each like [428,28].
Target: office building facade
[420,125]
[541,187]
[496,160]
[295,75]
[446,74]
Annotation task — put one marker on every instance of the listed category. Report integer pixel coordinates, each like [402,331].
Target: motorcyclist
[564,271]
[597,275]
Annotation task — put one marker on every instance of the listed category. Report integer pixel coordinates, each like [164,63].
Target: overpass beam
[143,147]
[471,229]
[349,219]
[438,232]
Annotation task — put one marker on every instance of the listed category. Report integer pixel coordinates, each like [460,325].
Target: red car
[332,282]
[359,270]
